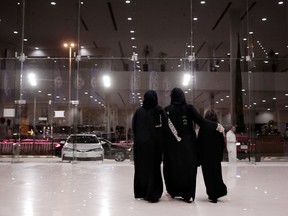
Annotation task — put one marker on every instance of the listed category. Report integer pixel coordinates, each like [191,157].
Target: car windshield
[83,139]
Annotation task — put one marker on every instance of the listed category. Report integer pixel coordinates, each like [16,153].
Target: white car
[82,146]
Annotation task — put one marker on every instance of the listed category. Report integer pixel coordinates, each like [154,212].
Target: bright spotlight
[186,79]
[32,79]
[106,81]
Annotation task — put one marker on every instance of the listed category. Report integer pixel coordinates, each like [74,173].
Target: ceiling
[169,28]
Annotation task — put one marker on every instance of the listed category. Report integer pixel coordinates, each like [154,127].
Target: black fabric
[149,125]
[180,158]
[211,146]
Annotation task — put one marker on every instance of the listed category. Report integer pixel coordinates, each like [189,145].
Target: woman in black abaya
[149,124]
[180,155]
[211,146]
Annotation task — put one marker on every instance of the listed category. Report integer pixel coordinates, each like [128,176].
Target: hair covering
[150,99]
[177,96]
[211,115]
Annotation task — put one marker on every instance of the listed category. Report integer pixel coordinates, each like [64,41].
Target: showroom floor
[48,187]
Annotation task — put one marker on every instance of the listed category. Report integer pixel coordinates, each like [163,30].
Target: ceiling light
[15,32]
[132,31]
[36,48]
[129,18]
[53,3]
[195,18]
[127,1]
[251,33]
[264,101]
[264,19]
[25,39]
[202,2]
[244,39]
[280,2]
[274,98]
[132,38]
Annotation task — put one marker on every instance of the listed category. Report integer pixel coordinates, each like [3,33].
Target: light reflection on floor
[50,188]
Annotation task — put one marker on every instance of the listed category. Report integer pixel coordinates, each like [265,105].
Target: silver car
[82,146]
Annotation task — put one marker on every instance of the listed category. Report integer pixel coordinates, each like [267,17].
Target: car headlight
[67,149]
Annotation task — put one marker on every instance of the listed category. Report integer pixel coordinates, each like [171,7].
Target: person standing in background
[149,129]
[3,129]
[211,145]
[231,144]
[180,151]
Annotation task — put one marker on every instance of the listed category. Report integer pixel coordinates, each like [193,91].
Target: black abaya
[148,127]
[180,157]
[211,147]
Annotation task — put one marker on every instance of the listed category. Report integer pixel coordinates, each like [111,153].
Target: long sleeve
[230,137]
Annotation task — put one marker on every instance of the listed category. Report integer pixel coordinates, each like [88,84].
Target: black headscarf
[150,99]
[177,96]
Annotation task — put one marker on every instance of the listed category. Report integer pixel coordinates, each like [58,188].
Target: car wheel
[119,156]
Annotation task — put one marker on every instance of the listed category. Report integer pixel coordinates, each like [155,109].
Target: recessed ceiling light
[132,38]
[36,48]
[244,39]
[264,19]
[264,101]
[129,18]
[15,32]
[250,32]
[127,1]
[195,18]
[274,98]
[25,39]
[132,31]
[202,2]
[53,3]
[280,2]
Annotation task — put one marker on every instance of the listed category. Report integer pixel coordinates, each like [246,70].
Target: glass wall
[74,66]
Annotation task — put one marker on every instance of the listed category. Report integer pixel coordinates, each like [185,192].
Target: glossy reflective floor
[47,187]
